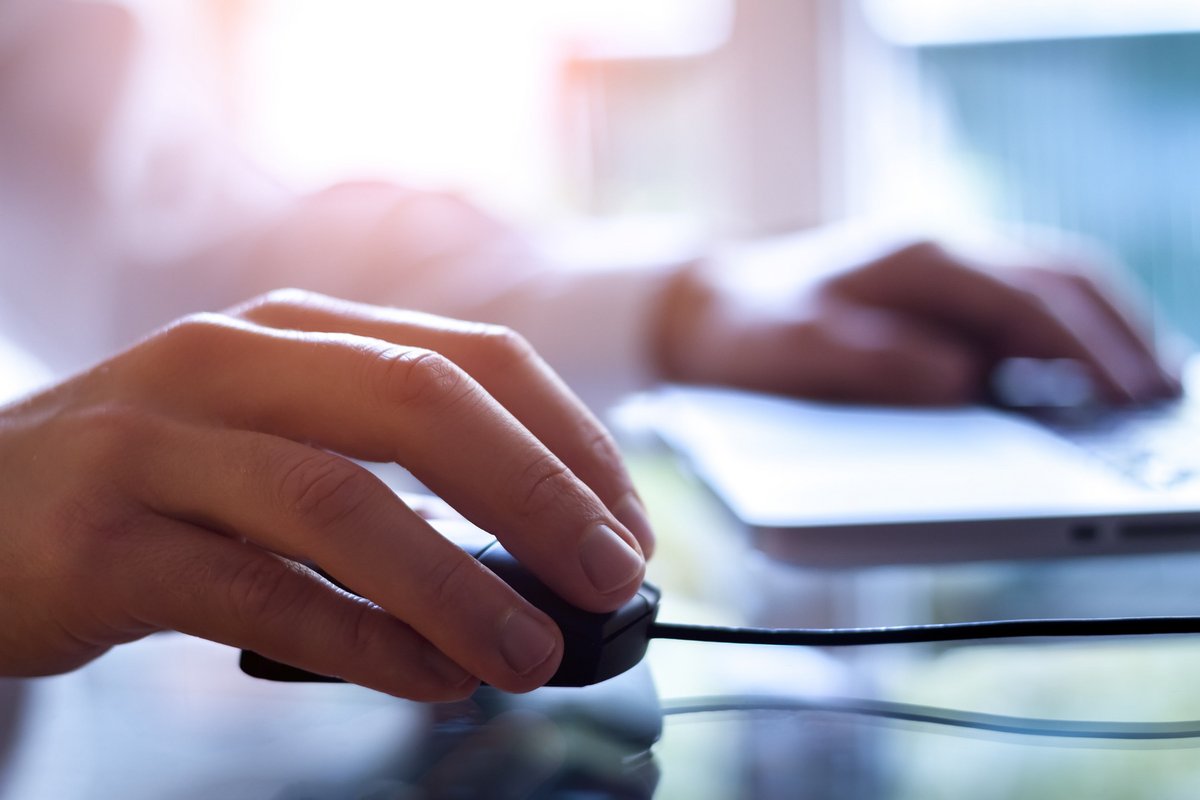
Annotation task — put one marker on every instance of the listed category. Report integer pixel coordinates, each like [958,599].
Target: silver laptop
[830,485]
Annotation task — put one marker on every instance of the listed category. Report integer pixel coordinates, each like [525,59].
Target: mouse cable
[912,634]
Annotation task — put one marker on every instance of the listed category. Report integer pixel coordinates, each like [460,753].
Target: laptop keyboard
[1157,447]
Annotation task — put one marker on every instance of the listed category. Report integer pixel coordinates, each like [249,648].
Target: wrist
[687,299]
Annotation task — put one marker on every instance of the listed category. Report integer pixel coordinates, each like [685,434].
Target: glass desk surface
[172,717]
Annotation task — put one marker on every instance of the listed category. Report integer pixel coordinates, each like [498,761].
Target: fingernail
[632,513]
[525,642]
[608,561]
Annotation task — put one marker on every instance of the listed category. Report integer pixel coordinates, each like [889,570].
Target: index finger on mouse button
[507,367]
[308,503]
[380,401]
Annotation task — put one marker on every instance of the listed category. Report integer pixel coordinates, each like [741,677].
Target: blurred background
[729,119]
[733,117]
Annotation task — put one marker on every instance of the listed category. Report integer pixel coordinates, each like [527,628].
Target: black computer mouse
[596,647]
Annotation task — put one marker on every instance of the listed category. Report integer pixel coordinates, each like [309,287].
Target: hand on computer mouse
[596,646]
[851,315]
[179,484]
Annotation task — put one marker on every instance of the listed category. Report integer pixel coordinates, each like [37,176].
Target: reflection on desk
[172,717]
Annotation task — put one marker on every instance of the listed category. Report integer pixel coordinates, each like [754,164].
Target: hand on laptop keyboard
[914,324]
[1154,445]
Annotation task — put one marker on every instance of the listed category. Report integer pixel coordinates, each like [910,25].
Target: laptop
[847,486]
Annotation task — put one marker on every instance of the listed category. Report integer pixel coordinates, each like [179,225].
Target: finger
[327,510]
[1078,308]
[1117,319]
[871,356]
[504,364]
[926,282]
[382,402]
[179,577]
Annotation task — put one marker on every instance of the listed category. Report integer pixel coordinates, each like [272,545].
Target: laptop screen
[1097,135]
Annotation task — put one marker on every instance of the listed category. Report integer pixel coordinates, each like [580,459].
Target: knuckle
[1079,282]
[198,343]
[604,450]
[274,301]
[325,488]
[417,378]
[193,336]
[543,483]
[1034,300]
[923,262]
[922,251]
[450,579]
[504,346]
[289,296]
[920,261]
[360,631]
[263,589]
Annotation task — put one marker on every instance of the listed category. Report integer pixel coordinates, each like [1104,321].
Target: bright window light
[454,93]
[918,22]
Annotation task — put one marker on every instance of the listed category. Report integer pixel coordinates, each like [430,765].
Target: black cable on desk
[912,634]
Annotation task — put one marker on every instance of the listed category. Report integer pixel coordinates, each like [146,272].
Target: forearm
[596,325]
